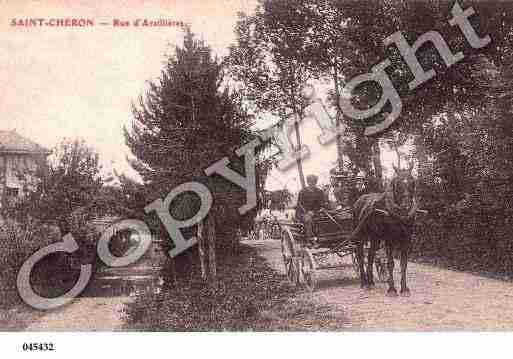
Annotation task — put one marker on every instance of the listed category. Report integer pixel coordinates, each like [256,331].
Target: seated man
[310,200]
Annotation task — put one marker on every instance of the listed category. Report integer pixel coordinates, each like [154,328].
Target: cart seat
[329,222]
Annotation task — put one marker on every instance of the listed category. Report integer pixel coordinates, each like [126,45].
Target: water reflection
[137,279]
[125,285]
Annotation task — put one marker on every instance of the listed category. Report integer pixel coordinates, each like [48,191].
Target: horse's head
[403,188]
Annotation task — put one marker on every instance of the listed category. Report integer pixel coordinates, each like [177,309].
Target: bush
[472,240]
[18,242]
[54,275]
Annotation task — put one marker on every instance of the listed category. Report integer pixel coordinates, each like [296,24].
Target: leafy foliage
[458,123]
[61,190]
[264,63]
[172,134]
[18,242]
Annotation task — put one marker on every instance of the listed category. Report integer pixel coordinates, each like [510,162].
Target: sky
[69,82]
[58,82]
[321,159]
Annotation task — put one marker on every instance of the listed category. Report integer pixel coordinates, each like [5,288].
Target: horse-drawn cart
[304,256]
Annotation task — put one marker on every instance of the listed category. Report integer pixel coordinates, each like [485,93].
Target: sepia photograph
[241,167]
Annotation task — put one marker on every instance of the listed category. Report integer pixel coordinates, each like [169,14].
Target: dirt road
[441,299]
[84,314]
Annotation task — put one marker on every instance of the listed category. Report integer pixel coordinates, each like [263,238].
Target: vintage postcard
[255,166]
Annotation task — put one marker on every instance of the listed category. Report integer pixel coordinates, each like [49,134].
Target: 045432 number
[43,347]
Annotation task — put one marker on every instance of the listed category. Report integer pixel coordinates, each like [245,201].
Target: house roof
[12,142]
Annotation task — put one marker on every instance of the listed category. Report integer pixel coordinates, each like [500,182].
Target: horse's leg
[390,264]
[372,253]
[404,264]
[359,258]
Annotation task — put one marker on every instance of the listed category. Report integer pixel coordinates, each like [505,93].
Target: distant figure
[309,202]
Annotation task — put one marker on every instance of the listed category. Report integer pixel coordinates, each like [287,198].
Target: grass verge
[249,296]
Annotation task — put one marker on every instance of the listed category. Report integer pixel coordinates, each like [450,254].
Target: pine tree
[186,121]
[177,120]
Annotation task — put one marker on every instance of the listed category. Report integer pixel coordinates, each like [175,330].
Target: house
[19,157]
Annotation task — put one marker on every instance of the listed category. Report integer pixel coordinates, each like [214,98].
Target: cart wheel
[308,270]
[288,253]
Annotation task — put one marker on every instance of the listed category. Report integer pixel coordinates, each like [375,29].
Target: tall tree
[263,61]
[187,120]
[318,36]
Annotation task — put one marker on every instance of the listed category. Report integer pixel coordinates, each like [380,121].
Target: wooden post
[211,232]
[201,251]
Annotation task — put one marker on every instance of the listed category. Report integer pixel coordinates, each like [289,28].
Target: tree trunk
[376,160]
[236,241]
[169,273]
[298,160]
[201,251]
[340,144]
[172,272]
[64,226]
[421,157]
[211,234]
[190,257]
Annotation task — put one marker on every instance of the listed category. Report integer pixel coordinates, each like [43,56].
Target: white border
[144,345]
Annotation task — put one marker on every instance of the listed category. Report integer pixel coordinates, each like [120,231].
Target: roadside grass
[249,296]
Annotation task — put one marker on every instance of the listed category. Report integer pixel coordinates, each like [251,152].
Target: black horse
[387,217]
